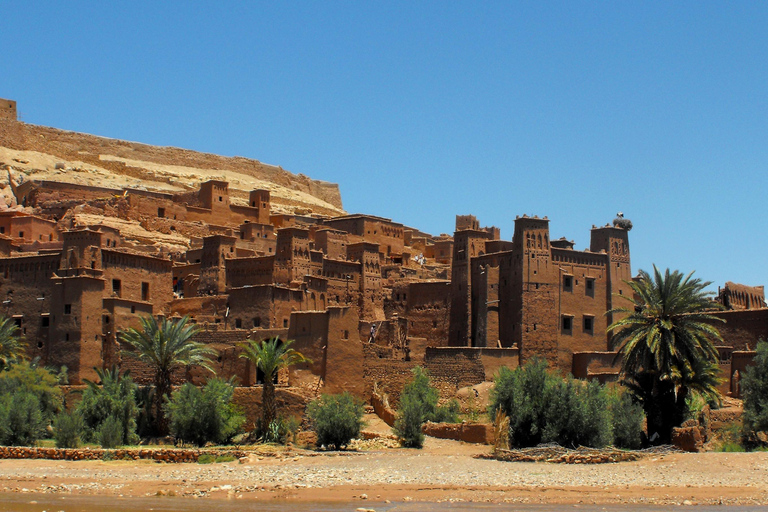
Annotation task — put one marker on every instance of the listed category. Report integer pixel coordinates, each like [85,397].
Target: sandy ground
[444,471]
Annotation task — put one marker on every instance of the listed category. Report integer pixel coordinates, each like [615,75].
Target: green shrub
[22,421]
[29,378]
[208,415]
[115,398]
[418,404]
[337,419]
[111,433]
[521,395]
[225,458]
[754,390]
[279,431]
[206,458]
[627,417]
[68,429]
[543,407]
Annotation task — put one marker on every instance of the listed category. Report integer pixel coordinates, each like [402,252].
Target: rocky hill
[39,153]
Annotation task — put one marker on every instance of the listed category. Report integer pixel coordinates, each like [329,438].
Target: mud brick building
[365,297]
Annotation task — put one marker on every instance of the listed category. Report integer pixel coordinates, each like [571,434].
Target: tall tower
[614,240]
[292,255]
[467,244]
[533,298]
[213,267]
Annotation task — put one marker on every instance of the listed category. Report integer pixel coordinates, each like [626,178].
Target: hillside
[39,153]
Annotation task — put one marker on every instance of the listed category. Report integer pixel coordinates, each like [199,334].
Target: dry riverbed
[444,471]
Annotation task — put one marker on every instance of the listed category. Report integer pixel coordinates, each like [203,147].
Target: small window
[67,309]
[133,309]
[116,287]
[66,337]
[345,335]
[257,322]
[238,323]
[589,324]
[589,287]
[2,229]
[567,324]
[45,321]
[220,199]
[21,234]
[145,291]
[567,283]
[285,322]
[161,212]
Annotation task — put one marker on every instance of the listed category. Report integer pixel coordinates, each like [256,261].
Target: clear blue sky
[424,110]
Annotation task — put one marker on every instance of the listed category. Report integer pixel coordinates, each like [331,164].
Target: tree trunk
[162,389]
[269,407]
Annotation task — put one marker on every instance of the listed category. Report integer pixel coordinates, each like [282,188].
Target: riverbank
[444,471]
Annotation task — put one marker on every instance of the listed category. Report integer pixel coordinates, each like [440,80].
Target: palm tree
[11,345]
[270,356]
[666,344]
[166,345]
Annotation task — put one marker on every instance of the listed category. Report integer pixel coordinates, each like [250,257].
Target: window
[345,335]
[21,234]
[145,291]
[567,324]
[567,283]
[257,322]
[589,324]
[133,309]
[67,309]
[238,323]
[589,287]
[116,287]
[2,229]
[45,321]
[285,322]
[161,212]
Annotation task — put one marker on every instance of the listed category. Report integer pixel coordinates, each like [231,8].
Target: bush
[521,395]
[115,398]
[627,417]
[279,431]
[418,404]
[22,421]
[543,407]
[337,419]
[754,390]
[111,433]
[208,415]
[24,377]
[68,429]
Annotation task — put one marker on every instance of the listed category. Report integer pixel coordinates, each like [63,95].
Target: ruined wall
[428,311]
[26,291]
[742,329]
[8,110]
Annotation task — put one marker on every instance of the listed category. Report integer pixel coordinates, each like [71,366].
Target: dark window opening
[567,283]
[45,321]
[238,323]
[66,337]
[67,309]
[161,212]
[589,324]
[21,234]
[567,324]
[133,309]
[145,291]
[285,322]
[116,287]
